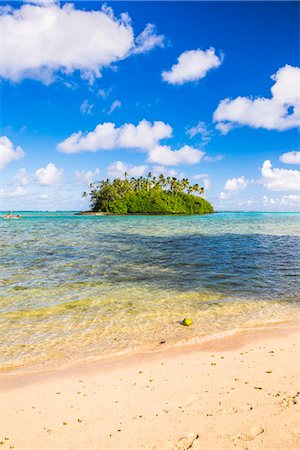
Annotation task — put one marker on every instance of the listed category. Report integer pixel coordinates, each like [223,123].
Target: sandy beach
[239,393]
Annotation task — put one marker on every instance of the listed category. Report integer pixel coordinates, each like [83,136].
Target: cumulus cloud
[276,179]
[49,175]
[22,178]
[118,169]
[191,66]
[8,152]
[145,136]
[290,157]
[107,136]
[163,154]
[235,184]
[43,39]
[279,112]
[232,186]
[86,176]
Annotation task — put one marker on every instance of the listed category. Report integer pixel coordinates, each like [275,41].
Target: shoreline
[101,213]
[240,393]
[234,339]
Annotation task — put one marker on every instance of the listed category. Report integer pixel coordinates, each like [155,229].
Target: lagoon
[81,288]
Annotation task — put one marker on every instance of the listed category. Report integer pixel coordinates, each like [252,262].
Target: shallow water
[77,288]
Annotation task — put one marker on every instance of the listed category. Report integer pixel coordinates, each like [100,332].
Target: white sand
[244,394]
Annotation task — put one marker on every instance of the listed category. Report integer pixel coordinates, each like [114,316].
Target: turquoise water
[77,288]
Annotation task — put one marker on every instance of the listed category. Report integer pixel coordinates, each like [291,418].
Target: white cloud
[268,200]
[233,185]
[22,178]
[49,175]
[15,193]
[118,169]
[276,179]
[200,129]
[86,176]
[290,200]
[41,40]
[8,152]
[192,65]
[213,158]
[145,136]
[107,136]
[167,172]
[224,127]
[104,93]
[86,107]
[205,178]
[163,154]
[116,104]
[148,39]
[280,112]
[290,157]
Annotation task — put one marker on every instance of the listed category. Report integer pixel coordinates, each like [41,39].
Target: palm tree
[162,180]
[196,187]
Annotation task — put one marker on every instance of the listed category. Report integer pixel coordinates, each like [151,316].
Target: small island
[147,195]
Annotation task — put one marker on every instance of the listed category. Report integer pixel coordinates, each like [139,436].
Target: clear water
[77,288]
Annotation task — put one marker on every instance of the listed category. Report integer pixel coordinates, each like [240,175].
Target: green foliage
[150,195]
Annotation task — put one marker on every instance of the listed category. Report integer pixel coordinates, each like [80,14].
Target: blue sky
[71,68]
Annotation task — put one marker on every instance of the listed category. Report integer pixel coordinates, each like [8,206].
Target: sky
[204,90]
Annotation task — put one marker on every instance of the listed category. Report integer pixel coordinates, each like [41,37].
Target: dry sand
[241,393]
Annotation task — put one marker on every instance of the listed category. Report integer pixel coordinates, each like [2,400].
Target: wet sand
[239,393]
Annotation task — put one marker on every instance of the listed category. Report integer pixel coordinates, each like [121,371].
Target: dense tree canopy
[149,195]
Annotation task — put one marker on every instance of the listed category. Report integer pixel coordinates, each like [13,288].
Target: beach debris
[289,398]
[268,371]
[187,322]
